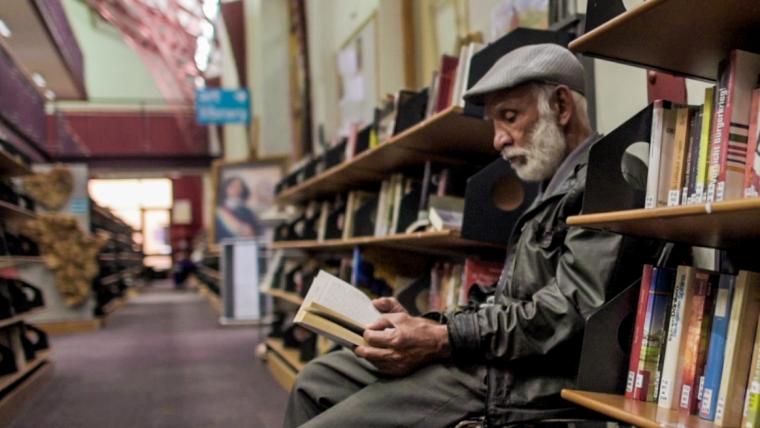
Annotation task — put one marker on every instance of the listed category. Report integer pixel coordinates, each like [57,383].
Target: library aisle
[161,361]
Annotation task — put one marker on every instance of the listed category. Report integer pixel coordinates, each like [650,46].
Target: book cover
[670,379]
[638,329]
[752,170]
[678,159]
[478,272]
[705,137]
[446,82]
[661,114]
[654,335]
[446,212]
[728,158]
[738,356]
[667,153]
[716,351]
[697,337]
[751,416]
[472,49]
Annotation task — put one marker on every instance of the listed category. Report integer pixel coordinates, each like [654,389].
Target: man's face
[526,132]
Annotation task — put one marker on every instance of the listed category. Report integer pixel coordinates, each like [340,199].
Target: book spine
[641,311]
[751,417]
[717,349]
[690,179]
[655,145]
[697,335]
[719,130]
[752,169]
[704,144]
[670,381]
[654,337]
[679,156]
[667,154]
[739,339]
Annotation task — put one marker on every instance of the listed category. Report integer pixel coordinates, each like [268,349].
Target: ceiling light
[4,30]
[39,80]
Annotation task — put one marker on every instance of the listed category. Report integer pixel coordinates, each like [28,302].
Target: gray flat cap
[548,62]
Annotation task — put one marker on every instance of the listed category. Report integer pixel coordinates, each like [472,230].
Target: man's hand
[388,305]
[399,343]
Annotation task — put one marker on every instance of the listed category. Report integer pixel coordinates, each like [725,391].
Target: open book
[337,310]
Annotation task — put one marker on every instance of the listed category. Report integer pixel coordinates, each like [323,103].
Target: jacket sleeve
[512,329]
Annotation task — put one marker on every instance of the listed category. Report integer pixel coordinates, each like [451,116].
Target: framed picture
[243,191]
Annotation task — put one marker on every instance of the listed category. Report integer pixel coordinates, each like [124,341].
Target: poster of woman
[243,191]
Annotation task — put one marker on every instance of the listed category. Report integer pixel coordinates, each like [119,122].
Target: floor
[161,361]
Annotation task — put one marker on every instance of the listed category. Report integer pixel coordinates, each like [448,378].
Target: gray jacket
[555,277]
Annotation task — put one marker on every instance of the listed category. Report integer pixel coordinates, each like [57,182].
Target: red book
[697,335]
[446,83]
[479,272]
[728,148]
[638,330]
[752,171]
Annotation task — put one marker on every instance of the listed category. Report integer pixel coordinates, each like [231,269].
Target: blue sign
[215,106]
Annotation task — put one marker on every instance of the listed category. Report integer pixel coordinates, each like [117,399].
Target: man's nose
[501,139]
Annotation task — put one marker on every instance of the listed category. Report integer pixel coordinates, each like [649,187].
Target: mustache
[510,152]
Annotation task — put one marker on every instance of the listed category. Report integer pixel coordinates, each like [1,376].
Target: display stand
[241,299]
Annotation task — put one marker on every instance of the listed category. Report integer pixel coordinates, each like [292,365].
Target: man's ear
[565,104]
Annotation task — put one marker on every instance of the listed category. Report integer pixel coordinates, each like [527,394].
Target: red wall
[188,187]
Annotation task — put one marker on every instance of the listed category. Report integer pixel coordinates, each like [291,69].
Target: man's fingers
[381,324]
[379,338]
[384,304]
[373,354]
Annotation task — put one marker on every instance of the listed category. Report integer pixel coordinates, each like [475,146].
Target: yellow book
[679,155]
[704,145]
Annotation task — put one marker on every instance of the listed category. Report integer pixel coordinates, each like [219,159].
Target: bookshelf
[20,317]
[10,211]
[10,261]
[685,37]
[638,413]
[718,225]
[429,242]
[437,139]
[9,165]
[284,363]
[10,380]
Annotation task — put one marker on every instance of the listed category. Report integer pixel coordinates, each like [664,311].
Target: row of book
[402,204]
[695,345]
[395,114]
[708,153]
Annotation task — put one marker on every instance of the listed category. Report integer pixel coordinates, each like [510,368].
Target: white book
[680,310]
[667,153]
[655,143]
[381,219]
[398,193]
[459,77]
[472,49]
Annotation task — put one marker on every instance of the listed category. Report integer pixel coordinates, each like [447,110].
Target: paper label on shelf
[639,380]
[719,408]
[685,393]
[673,198]
[630,382]
[701,390]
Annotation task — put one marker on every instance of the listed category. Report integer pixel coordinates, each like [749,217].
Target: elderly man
[508,359]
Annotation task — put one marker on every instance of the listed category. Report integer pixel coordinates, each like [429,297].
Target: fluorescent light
[4,30]
[39,80]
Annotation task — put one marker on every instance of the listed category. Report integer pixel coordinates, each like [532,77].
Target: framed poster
[242,191]
[357,77]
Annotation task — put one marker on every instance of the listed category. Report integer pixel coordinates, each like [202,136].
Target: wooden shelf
[213,273]
[448,137]
[445,241]
[10,211]
[686,37]
[719,225]
[10,379]
[11,166]
[20,317]
[638,413]
[10,261]
[285,295]
[289,355]
[281,371]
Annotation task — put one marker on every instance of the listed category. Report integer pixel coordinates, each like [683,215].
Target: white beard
[544,153]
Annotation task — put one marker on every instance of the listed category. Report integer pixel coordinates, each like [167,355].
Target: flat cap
[548,62]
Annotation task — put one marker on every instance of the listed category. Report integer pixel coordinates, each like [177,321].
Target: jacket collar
[565,175]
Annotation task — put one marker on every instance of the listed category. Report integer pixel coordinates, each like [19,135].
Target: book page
[342,297]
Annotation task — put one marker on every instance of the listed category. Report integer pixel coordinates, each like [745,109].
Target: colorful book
[717,349]
[675,346]
[677,162]
[446,82]
[690,175]
[478,272]
[697,337]
[655,334]
[737,77]
[704,145]
[738,357]
[752,171]
[638,330]
[751,417]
